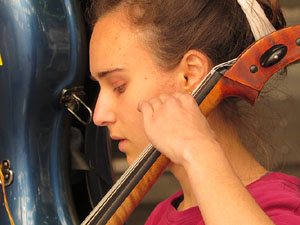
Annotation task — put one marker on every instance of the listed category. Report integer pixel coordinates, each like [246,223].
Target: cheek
[130,117]
[140,90]
[133,126]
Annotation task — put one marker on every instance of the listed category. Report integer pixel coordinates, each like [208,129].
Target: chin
[133,151]
[131,158]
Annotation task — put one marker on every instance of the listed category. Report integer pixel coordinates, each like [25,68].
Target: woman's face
[127,74]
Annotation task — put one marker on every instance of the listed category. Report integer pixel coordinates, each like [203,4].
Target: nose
[103,113]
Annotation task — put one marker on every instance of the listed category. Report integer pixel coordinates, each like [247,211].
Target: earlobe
[196,65]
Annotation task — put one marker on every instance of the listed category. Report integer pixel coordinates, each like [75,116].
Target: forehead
[114,42]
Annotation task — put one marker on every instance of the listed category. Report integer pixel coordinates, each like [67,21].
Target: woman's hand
[175,126]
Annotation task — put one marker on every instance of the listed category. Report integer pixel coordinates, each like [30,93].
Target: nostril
[97,119]
[104,110]
[103,118]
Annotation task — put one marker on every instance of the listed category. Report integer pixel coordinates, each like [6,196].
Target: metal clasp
[7,173]
[70,98]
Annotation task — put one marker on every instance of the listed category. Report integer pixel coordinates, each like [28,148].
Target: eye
[120,88]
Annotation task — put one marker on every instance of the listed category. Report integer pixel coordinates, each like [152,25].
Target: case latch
[7,172]
[71,99]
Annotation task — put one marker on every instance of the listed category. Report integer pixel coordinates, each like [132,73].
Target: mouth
[116,138]
[122,142]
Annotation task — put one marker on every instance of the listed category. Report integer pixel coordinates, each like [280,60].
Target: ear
[194,66]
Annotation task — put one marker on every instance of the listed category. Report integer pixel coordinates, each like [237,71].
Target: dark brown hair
[218,28]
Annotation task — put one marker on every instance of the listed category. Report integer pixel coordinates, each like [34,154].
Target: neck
[243,163]
[246,167]
[189,199]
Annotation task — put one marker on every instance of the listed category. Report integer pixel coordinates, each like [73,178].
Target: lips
[116,138]
[122,145]
[122,142]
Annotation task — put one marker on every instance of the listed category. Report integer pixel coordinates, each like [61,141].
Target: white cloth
[259,23]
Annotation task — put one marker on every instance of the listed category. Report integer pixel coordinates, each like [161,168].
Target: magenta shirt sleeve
[279,196]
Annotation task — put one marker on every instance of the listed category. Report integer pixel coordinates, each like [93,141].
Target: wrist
[207,159]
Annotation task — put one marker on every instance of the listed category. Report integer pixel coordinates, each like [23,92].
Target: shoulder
[280,186]
[278,195]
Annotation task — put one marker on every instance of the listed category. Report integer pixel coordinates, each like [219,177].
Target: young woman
[147,57]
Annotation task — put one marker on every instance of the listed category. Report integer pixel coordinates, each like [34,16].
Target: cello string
[119,183]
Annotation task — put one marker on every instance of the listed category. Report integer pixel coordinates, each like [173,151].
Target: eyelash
[120,88]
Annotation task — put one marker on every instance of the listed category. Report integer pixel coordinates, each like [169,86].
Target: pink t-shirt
[277,194]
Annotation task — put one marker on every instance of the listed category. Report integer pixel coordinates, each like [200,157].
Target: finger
[155,103]
[146,109]
[186,99]
[164,97]
[178,94]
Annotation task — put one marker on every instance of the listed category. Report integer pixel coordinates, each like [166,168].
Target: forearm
[177,128]
[221,196]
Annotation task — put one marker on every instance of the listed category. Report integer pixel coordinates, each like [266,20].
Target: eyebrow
[105,73]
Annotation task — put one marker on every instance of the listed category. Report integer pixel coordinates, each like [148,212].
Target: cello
[243,77]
